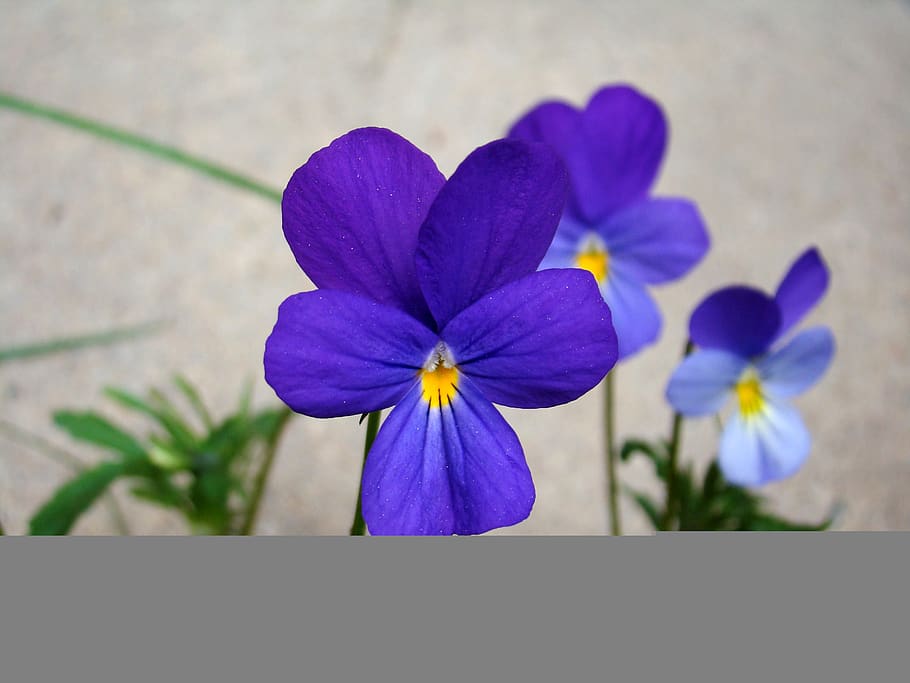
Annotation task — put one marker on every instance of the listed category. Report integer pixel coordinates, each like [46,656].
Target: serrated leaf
[57,516]
[92,428]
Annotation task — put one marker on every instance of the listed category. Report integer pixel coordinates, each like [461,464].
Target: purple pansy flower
[736,330]
[611,226]
[428,300]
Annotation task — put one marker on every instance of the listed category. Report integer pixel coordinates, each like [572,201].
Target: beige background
[789,127]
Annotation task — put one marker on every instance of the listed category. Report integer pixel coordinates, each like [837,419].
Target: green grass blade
[57,516]
[138,142]
[195,400]
[63,344]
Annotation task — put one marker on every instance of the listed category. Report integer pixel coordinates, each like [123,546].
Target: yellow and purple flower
[429,301]
[737,330]
[611,226]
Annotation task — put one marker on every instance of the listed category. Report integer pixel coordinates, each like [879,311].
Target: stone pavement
[789,127]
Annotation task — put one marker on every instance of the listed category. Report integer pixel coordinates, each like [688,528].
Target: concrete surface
[789,127]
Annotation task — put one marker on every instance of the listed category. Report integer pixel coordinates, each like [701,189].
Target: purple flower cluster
[429,300]
[737,330]
[611,226]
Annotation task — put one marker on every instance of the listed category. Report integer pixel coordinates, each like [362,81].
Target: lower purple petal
[333,353]
[764,448]
[635,315]
[458,469]
[741,320]
[656,240]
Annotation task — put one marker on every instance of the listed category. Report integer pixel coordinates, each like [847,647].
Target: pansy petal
[352,213]
[334,353]
[452,470]
[490,224]
[624,135]
[635,314]
[538,342]
[702,382]
[799,364]
[553,122]
[738,319]
[802,287]
[656,240]
[763,448]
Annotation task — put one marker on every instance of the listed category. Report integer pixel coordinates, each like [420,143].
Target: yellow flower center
[596,262]
[593,257]
[439,385]
[748,391]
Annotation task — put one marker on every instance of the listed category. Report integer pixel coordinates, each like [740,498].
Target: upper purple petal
[801,289]
[540,341]
[656,240]
[334,353]
[559,125]
[352,214]
[490,224]
[738,319]
[624,134]
[458,469]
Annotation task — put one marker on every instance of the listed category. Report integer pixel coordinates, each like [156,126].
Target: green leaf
[63,344]
[195,400]
[92,428]
[657,454]
[57,516]
[647,506]
[179,431]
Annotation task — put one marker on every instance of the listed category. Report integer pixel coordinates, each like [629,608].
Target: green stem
[612,481]
[359,527]
[143,144]
[262,476]
[673,462]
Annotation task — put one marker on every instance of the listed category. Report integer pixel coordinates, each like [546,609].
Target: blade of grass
[195,400]
[138,142]
[62,344]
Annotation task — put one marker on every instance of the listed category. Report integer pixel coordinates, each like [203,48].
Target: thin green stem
[612,481]
[139,142]
[359,527]
[72,343]
[670,512]
[249,523]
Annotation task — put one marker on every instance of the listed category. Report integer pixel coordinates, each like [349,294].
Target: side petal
[764,448]
[635,314]
[702,382]
[452,470]
[538,342]
[801,289]
[490,224]
[624,134]
[656,240]
[799,364]
[738,319]
[333,353]
[352,213]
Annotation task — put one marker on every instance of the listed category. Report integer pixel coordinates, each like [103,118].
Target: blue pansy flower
[429,301]
[737,330]
[611,226]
